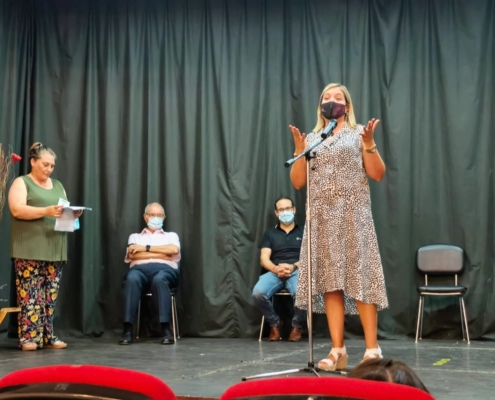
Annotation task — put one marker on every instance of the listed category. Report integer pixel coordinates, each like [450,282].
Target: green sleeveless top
[36,239]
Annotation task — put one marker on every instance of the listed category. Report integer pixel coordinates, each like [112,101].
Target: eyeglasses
[156,215]
[285,209]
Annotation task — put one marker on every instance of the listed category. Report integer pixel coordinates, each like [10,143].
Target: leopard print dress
[344,247]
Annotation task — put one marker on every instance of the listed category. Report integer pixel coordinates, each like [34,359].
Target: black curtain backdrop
[188,103]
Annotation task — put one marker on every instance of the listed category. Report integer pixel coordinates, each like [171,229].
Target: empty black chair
[435,260]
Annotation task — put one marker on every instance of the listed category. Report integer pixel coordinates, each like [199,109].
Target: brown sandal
[29,346]
[56,345]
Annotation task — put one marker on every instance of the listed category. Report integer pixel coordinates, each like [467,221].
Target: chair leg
[173,319]
[5,311]
[419,318]
[462,319]
[465,320]
[176,317]
[422,318]
[138,319]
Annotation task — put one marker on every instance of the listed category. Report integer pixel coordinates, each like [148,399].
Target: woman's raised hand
[299,139]
[369,131]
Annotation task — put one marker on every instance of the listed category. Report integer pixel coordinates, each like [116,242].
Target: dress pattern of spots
[344,247]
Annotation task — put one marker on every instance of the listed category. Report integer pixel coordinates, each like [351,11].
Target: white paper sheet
[67,222]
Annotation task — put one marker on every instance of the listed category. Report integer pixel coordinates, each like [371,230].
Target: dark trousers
[160,278]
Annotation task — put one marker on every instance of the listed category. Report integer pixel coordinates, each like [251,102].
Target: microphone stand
[311,363]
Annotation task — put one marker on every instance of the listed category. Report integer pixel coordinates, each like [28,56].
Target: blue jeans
[269,284]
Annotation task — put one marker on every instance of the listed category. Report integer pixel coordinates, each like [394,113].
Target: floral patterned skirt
[37,284]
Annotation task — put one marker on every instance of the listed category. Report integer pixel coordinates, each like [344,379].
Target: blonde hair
[350,117]
[37,148]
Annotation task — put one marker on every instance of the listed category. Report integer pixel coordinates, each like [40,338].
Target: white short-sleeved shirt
[157,238]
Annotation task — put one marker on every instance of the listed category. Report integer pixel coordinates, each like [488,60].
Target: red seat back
[327,388]
[97,375]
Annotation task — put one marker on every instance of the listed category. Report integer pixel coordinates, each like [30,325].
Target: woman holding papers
[39,252]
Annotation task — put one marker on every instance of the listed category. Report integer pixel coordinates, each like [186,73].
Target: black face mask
[332,110]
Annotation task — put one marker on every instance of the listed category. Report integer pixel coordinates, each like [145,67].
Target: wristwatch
[148,247]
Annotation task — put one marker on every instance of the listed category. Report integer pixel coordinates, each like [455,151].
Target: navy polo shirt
[285,246]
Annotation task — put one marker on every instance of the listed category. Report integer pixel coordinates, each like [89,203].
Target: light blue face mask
[286,217]
[155,223]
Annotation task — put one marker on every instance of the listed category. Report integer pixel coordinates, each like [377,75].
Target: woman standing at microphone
[347,273]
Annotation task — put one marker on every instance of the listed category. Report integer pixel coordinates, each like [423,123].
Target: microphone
[329,129]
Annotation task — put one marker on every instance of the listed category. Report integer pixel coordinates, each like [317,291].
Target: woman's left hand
[369,131]
[78,213]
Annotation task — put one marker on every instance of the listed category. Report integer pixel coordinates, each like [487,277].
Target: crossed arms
[165,252]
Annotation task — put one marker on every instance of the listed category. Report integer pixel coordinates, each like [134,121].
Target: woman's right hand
[300,142]
[298,171]
[54,211]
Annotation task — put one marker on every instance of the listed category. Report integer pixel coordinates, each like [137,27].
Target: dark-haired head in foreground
[387,370]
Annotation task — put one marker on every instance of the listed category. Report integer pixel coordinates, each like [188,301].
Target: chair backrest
[90,377]
[300,388]
[440,259]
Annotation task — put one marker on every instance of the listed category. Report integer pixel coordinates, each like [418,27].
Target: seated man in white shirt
[153,255]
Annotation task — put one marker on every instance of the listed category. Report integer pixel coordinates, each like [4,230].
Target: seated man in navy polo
[153,255]
[280,250]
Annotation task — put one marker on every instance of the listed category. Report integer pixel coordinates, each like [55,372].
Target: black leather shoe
[168,338]
[126,338]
